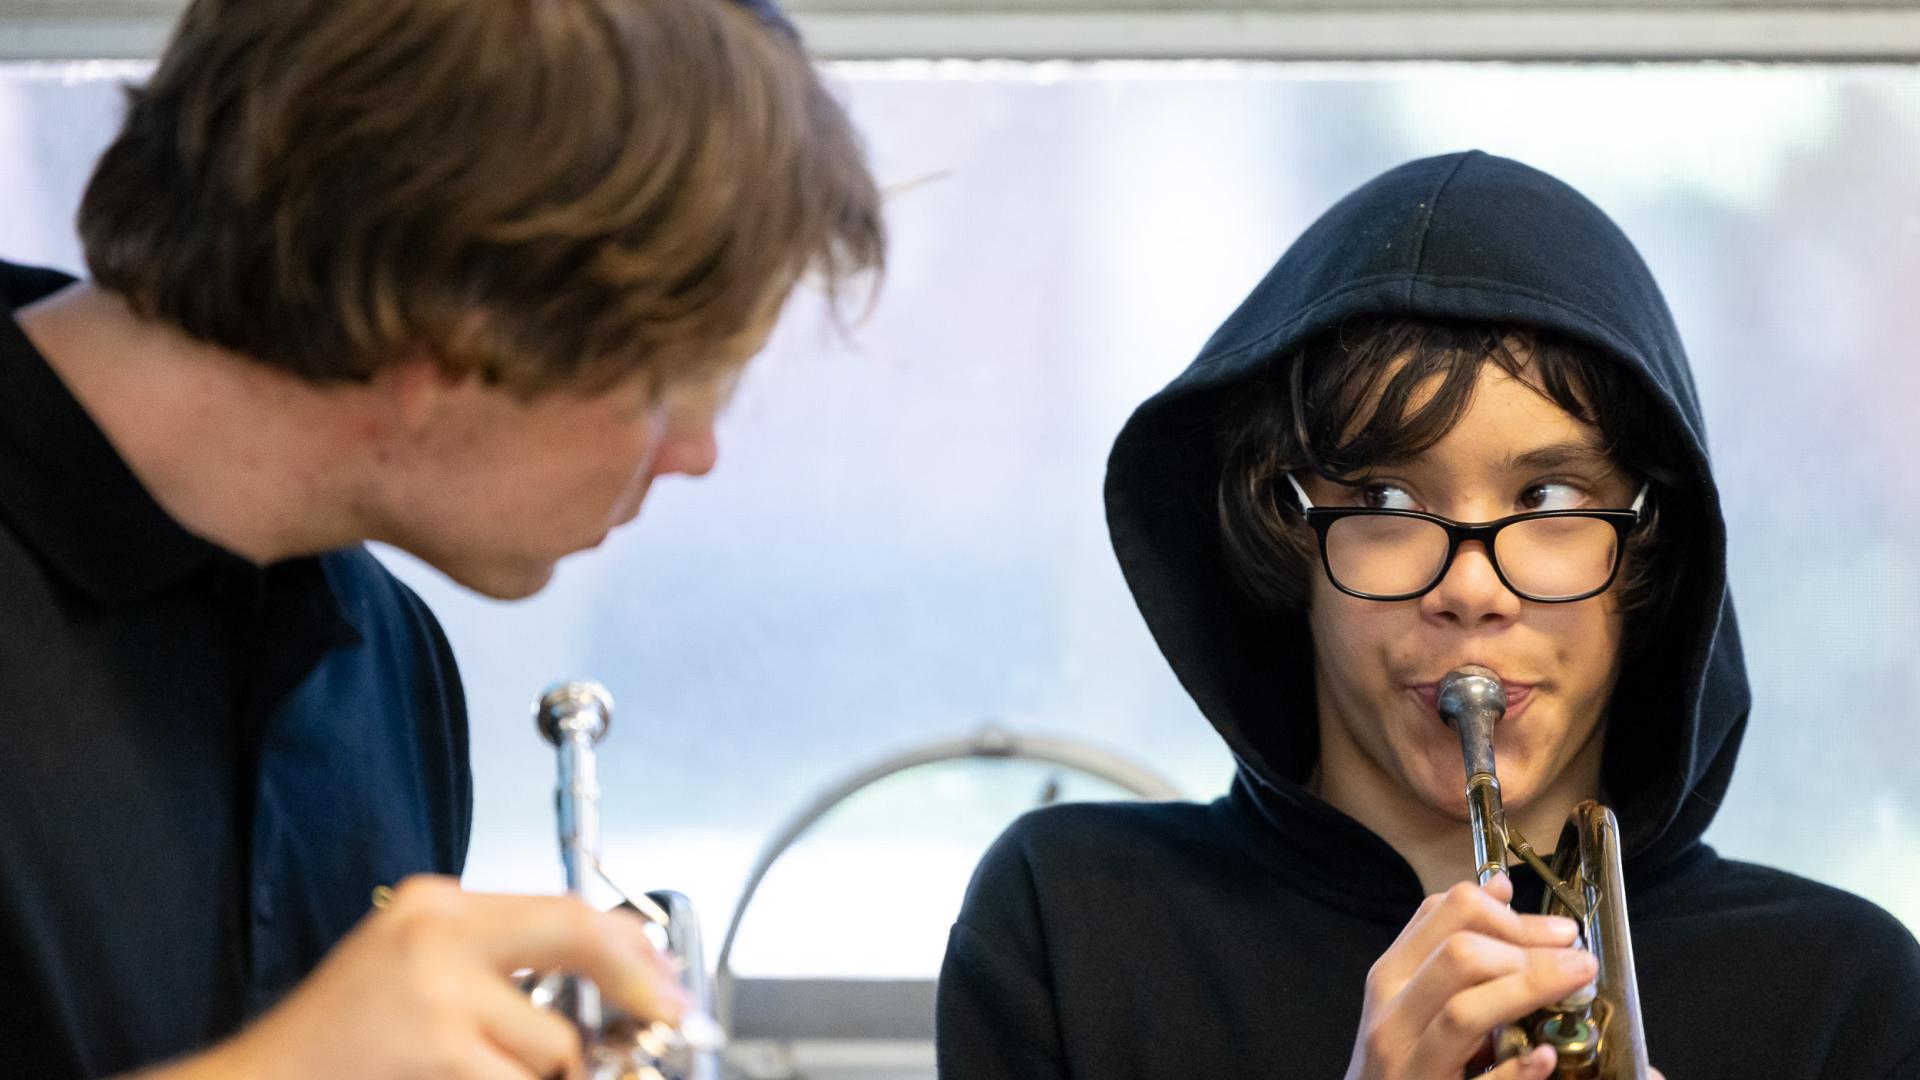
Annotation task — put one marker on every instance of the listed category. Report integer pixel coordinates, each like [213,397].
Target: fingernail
[659,961]
[1562,925]
[1576,961]
[651,957]
[702,1032]
[668,997]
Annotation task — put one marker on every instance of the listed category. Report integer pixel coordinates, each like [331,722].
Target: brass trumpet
[573,717]
[1596,1031]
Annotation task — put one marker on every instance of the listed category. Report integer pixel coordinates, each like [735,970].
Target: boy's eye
[1551,495]
[1385,497]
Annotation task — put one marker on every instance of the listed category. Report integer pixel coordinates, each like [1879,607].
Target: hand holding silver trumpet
[1555,991]
[425,985]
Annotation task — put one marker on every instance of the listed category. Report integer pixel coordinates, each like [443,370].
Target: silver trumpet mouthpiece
[580,707]
[1471,701]
[1470,688]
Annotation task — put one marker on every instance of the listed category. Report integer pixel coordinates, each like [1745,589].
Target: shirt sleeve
[996,1016]
[1876,1035]
[460,765]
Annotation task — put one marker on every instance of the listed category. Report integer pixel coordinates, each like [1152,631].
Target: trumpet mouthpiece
[584,706]
[1471,700]
[1468,690]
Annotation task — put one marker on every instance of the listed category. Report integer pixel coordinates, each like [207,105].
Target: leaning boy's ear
[425,383]
[421,389]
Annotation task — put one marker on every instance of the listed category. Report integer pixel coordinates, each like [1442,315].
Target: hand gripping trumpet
[1596,1031]
[574,716]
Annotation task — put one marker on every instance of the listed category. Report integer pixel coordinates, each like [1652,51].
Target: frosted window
[905,535]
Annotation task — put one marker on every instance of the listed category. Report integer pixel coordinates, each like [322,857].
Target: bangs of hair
[1401,386]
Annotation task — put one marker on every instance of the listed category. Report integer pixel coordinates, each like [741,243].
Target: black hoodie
[1103,942]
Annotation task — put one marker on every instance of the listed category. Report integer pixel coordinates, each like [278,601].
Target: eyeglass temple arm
[1307,504]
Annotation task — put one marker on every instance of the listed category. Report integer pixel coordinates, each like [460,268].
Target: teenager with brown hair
[461,276]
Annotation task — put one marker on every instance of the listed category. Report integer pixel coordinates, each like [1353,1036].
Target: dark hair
[1340,404]
[547,194]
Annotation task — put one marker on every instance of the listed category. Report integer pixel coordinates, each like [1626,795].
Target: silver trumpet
[1596,1030]
[574,716]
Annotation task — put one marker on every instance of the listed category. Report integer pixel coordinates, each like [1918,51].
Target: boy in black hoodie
[1465,339]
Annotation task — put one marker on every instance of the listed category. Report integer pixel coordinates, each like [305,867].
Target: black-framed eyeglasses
[1547,556]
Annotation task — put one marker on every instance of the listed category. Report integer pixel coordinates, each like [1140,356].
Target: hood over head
[1465,236]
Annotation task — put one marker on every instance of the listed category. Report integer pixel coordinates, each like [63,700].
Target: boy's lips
[1518,694]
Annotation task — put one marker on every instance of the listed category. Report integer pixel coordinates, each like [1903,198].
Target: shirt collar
[65,489]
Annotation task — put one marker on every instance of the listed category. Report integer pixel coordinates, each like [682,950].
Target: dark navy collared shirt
[205,766]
